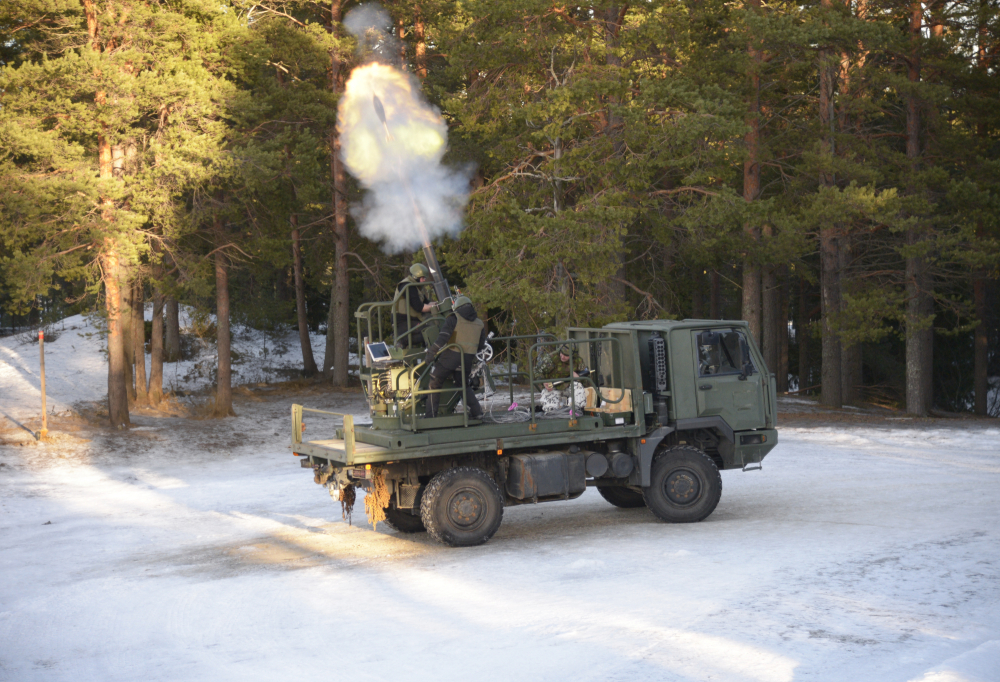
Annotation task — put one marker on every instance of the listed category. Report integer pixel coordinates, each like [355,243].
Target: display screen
[378,352]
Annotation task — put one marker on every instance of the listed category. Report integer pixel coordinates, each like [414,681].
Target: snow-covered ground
[196,550]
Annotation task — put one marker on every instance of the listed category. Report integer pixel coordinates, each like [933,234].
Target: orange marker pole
[41,358]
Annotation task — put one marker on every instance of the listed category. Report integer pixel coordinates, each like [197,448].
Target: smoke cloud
[371,26]
[392,141]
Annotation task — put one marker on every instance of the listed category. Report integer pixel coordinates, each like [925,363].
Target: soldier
[468,331]
[410,308]
[556,365]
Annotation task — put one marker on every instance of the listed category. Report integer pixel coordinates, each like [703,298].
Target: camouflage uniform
[408,309]
[551,366]
[468,331]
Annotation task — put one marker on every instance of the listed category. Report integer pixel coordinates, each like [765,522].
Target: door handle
[705,387]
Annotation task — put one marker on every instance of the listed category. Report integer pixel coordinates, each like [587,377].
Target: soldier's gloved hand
[429,356]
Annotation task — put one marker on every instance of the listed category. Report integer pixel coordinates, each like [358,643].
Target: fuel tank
[547,475]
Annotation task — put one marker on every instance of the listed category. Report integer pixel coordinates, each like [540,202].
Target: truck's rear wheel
[623,497]
[684,486]
[462,507]
[403,521]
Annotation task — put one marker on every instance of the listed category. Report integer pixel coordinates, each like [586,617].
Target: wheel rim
[466,509]
[682,487]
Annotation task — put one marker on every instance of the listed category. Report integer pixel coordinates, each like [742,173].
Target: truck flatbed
[363,444]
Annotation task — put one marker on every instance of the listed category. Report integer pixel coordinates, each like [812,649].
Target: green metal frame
[571,378]
[415,390]
[365,310]
[510,374]
[347,428]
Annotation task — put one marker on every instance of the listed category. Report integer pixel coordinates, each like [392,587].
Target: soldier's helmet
[419,270]
[564,350]
[460,301]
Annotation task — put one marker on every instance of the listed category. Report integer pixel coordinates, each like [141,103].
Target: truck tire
[684,485]
[403,521]
[623,497]
[462,507]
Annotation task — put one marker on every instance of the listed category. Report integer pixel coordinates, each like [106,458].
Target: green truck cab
[669,405]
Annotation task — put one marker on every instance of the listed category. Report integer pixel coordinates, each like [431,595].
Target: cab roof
[669,325]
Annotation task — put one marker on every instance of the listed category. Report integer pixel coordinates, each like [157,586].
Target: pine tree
[86,99]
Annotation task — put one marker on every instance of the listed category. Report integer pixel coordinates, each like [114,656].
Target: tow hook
[321,474]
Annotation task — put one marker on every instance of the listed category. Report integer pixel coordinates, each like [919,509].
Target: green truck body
[670,404]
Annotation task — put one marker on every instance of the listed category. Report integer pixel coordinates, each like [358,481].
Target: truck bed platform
[366,445]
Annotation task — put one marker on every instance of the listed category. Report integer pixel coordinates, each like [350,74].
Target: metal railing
[510,374]
[416,391]
[367,311]
[572,379]
[374,334]
[346,424]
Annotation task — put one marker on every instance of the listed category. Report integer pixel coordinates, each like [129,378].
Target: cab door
[727,381]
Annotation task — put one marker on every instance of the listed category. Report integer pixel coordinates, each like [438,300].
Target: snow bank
[982,664]
[76,363]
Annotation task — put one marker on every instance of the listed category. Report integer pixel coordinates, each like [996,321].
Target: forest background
[828,171]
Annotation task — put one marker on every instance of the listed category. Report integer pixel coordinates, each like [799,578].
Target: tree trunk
[338,322]
[850,355]
[770,316]
[117,391]
[782,331]
[172,341]
[916,338]
[224,387]
[771,306]
[917,353]
[980,343]
[980,372]
[613,289]
[308,363]
[831,393]
[156,351]
[339,328]
[697,293]
[110,259]
[139,343]
[715,297]
[751,308]
[927,312]
[420,51]
[128,357]
[669,262]
[400,35]
[851,375]
[802,337]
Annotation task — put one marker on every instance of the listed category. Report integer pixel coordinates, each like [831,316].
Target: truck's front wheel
[462,507]
[684,486]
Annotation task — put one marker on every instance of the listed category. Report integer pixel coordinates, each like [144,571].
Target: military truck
[669,405]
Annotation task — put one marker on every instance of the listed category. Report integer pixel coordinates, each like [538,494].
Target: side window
[745,350]
[722,353]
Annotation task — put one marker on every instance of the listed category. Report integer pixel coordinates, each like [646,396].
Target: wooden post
[41,356]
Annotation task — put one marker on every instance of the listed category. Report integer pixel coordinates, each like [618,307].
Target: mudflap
[646,447]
